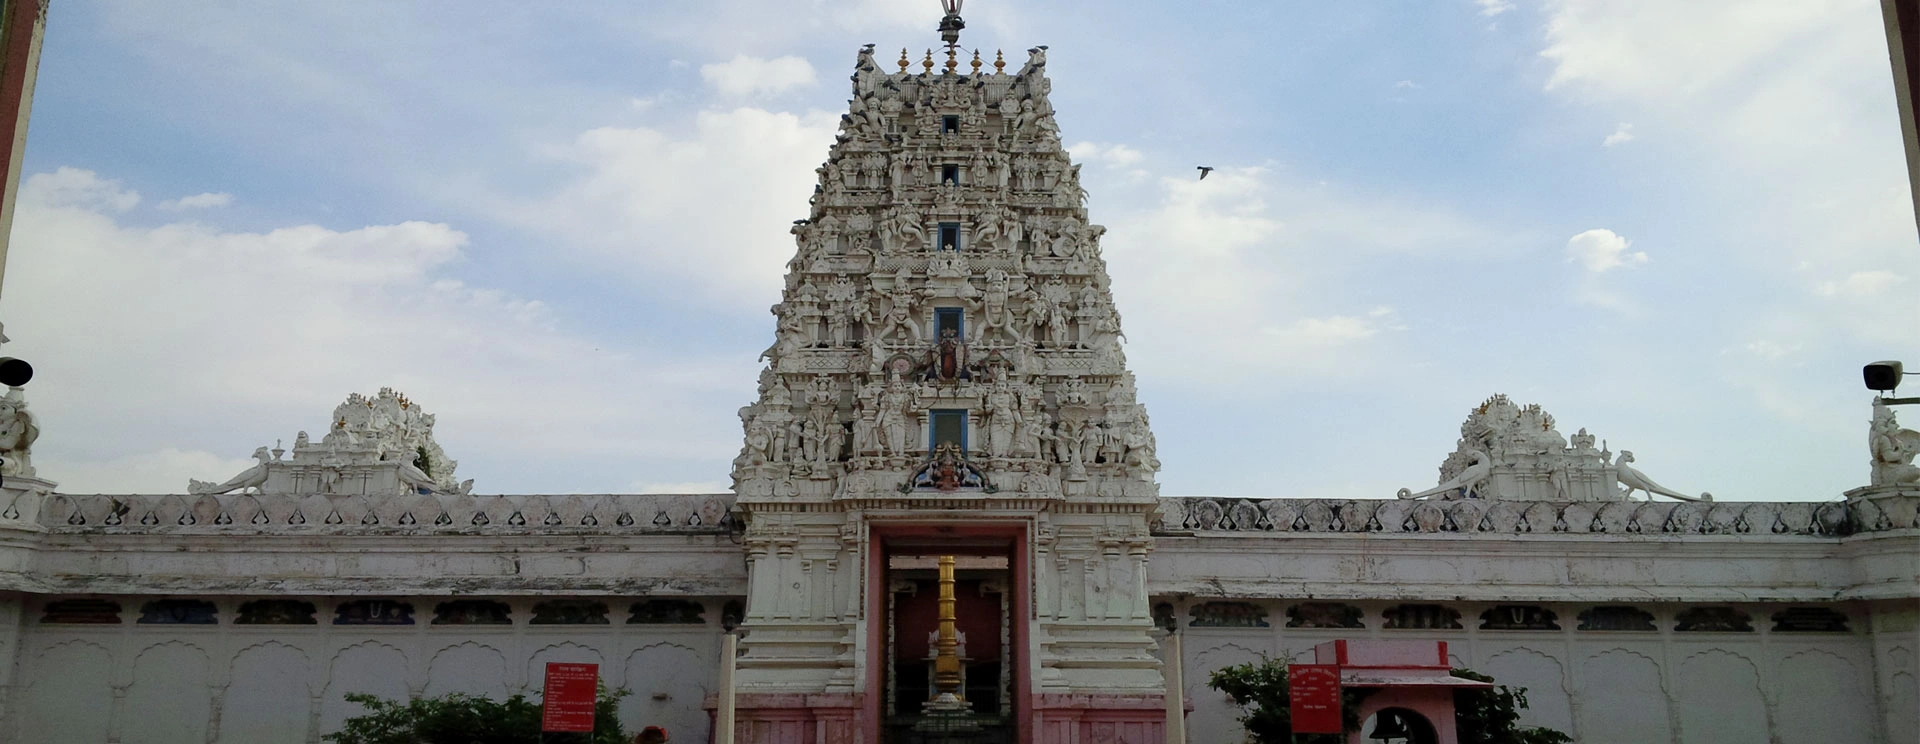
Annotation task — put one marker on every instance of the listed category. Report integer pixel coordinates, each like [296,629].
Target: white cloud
[1602,250]
[708,211]
[198,201]
[1329,331]
[191,337]
[1117,156]
[1216,271]
[1492,8]
[1772,350]
[746,76]
[1406,85]
[1862,284]
[1621,135]
[1667,49]
[73,187]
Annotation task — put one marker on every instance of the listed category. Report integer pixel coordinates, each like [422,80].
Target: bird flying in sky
[1204,170]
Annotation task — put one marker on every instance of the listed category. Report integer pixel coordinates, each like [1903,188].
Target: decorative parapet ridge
[1867,513]
[382,514]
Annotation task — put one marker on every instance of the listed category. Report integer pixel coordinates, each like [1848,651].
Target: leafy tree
[1260,689]
[459,718]
[1482,716]
[1492,715]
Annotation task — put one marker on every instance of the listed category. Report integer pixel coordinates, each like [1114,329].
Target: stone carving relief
[569,612]
[1421,617]
[667,612]
[1519,617]
[1809,620]
[1227,615]
[275,612]
[472,612]
[373,612]
[1877,512]
[379,445]
[1512,452]
[1616,617]
[1324,615]
[81,612]
[1713,620]
[1165,617]
[178,612]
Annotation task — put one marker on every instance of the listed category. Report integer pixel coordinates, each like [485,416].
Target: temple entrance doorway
[983,613]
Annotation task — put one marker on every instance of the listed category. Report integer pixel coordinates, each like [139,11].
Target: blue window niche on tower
[946,426]
[949,236]
[949,319]
[950,174]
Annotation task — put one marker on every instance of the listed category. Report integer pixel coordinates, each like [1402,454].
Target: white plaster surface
[1603,686]
[259,684]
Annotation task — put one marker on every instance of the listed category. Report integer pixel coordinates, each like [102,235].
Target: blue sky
[1682,226]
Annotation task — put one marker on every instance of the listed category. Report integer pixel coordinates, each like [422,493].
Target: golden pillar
[946,660]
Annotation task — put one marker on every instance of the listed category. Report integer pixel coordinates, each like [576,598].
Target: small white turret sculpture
[1512,452]
[376,445]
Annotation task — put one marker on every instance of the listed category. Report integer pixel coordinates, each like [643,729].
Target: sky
[1681,226]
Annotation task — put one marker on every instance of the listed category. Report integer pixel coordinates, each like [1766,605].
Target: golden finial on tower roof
[976,61]
[903,59]
[953,62]
[927,64]
[999,63]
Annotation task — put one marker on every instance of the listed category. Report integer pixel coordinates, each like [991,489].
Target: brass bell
[1389,726]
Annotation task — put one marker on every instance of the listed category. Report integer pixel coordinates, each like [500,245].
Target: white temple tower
[947,378]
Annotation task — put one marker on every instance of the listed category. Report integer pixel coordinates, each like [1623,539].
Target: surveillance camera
[1882,376]
[15,372]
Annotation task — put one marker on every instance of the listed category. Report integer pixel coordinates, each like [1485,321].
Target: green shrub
[459,718]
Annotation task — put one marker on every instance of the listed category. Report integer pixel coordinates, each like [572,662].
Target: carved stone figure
[901,230]
[1002,419]
[18,430]
[1466,483]
[251,478]
[1634,480]
[896,404]
[1893,449]
[901,302]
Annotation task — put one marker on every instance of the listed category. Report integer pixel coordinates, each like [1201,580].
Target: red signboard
[567,704]
[1313,692]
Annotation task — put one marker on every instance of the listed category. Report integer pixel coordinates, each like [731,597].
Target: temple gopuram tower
[947,380]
